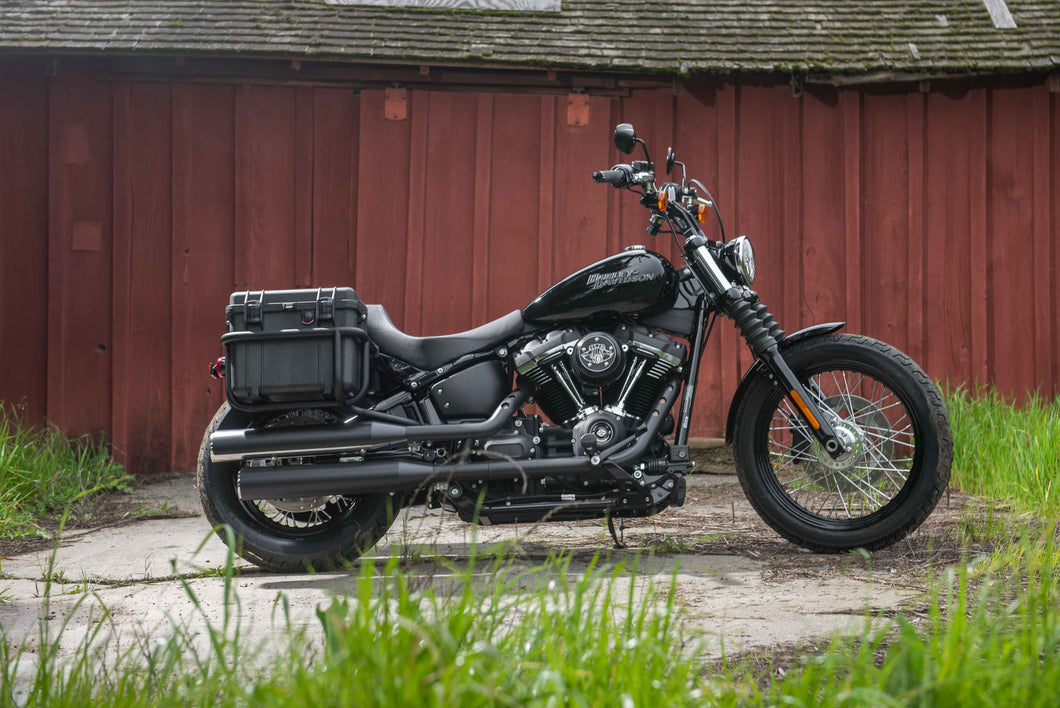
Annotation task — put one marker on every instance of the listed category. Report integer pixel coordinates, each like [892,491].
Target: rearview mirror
[625,138]
[670,157]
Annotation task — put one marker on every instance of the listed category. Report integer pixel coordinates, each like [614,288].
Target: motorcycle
[335,419]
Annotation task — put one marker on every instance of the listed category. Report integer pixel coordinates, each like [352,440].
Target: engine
[598,384]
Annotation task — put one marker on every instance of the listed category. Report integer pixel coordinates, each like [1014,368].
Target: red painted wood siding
[129,211]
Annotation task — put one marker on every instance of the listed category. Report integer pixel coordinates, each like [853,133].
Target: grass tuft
[489,633]
[42,472]
[1005,452]
[989,635]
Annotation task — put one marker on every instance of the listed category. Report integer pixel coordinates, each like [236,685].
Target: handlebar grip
[615,177]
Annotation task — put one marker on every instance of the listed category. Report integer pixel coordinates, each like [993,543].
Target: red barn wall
[130,210]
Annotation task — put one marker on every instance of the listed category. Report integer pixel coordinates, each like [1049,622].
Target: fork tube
[689,394]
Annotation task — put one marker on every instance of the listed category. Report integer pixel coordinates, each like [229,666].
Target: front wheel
[288,535]
[895,429]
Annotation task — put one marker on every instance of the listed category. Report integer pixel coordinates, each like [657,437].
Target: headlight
[743,257]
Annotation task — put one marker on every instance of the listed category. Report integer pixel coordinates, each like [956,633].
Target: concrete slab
[143,573]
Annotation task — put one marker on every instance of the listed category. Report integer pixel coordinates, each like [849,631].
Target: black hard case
[295,348]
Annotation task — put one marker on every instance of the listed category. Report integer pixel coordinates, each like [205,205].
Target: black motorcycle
[336,418]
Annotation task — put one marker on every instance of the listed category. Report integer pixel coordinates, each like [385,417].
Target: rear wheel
[894,426]
[288,535]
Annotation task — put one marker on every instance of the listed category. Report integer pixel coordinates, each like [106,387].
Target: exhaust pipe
[373,477]
[235,445]
[389,476]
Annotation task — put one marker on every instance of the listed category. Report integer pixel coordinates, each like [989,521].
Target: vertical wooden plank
[767,184]
[203,257]
[850,105]
[334,170]
[915,227]
[419,106]
[624,213]
[24,236]
[1010,247]
[1045,305]
[142,308]
[481,200]
[947,293]
[1054,285]
[79,253]
[266,189]
[546,192]
[303,199]
[448,224]
[823,296]
[580,205]
[978,141]
[121,350]
[696,143]
[727,194]
[383,206]
[355,186]
[615,223]
[884,219]
[791,160]
[651,111]
[515,204]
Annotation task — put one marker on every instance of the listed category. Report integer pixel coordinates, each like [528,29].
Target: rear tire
[900,452]
[331,533]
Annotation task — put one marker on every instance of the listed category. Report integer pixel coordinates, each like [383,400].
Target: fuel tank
[635,281]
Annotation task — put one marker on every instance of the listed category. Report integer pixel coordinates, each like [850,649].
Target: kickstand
[621,531]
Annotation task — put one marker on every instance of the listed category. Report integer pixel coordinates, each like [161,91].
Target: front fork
[762,334]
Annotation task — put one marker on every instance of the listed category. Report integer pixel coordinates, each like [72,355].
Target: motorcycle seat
[432,352]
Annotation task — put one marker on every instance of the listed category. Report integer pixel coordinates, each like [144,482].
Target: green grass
[494,633]
[42,471]
[1007,453]
[990,636]
[489,633]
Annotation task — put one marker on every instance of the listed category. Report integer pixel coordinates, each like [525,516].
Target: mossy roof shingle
[683,36]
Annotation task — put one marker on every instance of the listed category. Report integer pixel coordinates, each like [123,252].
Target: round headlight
[743,257]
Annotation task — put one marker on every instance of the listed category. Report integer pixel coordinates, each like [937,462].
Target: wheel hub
[853,444]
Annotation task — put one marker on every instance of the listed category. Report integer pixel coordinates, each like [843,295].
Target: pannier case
[295,348]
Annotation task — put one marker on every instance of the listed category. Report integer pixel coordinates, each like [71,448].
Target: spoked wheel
[288,535]
[895,431]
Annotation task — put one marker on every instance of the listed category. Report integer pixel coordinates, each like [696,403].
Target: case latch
[326,305]
[252,309]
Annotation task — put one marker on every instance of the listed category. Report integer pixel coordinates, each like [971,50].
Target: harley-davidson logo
[620,277]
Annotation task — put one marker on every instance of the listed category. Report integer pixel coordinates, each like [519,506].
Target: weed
[42,471]
[1005,452]
[671,544]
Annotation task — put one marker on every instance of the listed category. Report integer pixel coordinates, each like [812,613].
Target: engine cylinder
[573,373]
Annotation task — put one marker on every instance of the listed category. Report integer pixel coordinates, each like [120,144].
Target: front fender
[817,330]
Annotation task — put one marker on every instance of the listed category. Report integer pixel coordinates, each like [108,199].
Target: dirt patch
[714,460]
[98,511]
[718,520]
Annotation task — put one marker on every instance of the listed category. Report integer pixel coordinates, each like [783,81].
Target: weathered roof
[680,36]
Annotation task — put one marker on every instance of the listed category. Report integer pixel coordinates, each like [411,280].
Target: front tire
[894,423]
[288,535]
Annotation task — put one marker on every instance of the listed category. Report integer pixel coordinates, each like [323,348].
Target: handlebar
[617,176]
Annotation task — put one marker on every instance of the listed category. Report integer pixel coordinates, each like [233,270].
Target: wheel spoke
[863,484]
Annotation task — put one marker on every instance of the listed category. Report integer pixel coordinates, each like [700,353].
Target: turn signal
[701,213]
[664,200]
